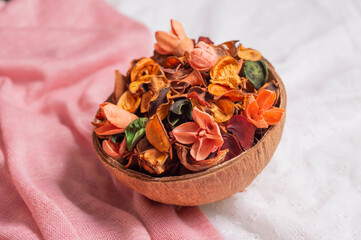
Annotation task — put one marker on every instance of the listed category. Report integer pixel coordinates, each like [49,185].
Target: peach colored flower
[260,112]
[203,57]
[175,42]
[203,133]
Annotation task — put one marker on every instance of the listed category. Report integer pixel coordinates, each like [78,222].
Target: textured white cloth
[312,187]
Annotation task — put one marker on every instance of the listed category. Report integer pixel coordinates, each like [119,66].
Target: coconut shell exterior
[211,185]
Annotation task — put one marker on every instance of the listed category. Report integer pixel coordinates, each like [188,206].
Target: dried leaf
[222,110]
[129,101]
[180,112]
[195,166]
[157,135]
[242,130]
[256,72]
[135,131]
[206,40]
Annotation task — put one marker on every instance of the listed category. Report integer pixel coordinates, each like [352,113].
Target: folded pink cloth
[57,61]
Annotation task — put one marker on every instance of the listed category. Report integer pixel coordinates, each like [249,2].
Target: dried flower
[203,133]
[175,42]
[203,57]
[260,112]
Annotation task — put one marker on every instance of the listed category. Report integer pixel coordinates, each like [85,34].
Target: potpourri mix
[189,107]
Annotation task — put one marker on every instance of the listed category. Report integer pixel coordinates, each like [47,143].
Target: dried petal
[273,115]
[265,99]
[230,46]
[161,99]
[144,106]
[242,130]
[135,131]
[256,72]
[203,57]
[195,78]
[111,149]
[117,116]
[180,112]
[119,85]
[248,53]
[232,145]
[272,86]
[196,166]
[225,72]
[234,95]
[156,134]
[201,95]
[108,129]
[218,90]
[222,110]
[129,102]
[145,66]
[153,161]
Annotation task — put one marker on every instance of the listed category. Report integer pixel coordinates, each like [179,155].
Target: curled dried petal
[248,53]
[144,106]
[111,149]
[222,110]
[196,166]
[153,160]
[129,101]
[157,135]
[145,66]
[117,116]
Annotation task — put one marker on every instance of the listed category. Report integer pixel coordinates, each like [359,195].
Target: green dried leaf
[180,112]
[256,72]
[135,131]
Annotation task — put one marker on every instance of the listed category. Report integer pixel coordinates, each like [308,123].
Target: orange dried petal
[233,95]
[217,90]
[156,134]
[273,116]
[108,129]
[225,67]
[129,102]
[142,67]
[253,114]
[248,53]
[222,110]
[194,78]
[153,159]
[146,97]
[265,99]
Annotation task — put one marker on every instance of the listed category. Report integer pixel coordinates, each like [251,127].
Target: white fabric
[312,187]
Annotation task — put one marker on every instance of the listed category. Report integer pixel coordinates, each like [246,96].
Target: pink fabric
[57,61]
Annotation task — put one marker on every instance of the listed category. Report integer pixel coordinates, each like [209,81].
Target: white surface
[312,187]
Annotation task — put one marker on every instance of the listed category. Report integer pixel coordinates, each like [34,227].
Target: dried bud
[203,57]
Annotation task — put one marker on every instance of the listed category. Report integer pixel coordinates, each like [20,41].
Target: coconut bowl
[214,184]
